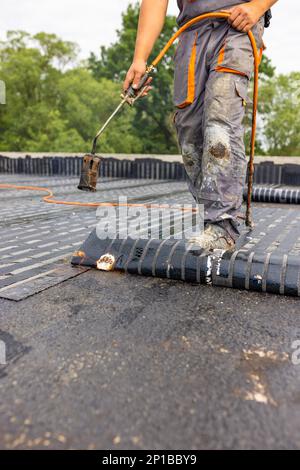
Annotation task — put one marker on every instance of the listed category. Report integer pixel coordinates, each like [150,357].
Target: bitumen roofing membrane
[266,259]
[121,361]
[38,239]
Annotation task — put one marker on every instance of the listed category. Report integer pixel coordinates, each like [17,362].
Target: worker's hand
[243,17]
[135,74]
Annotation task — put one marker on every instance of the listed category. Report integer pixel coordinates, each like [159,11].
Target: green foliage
[54,104]
[266,69]
[86,103]
[49,109]
[280,110]
[30,68]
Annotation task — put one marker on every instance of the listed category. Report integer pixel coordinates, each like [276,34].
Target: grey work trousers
[213,66]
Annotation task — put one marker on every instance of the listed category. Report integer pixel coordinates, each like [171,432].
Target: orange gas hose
[50,198]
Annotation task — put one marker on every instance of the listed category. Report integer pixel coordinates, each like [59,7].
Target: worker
[213,65]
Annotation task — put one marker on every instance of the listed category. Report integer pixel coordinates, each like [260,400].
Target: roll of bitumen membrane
[275,195]
[266,259]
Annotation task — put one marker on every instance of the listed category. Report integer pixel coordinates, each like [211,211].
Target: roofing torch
[91,161]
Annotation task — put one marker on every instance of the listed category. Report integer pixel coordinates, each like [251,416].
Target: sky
[91,23]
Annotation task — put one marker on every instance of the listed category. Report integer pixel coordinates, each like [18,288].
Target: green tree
[51,108]
[281,114]
[85,103]
[31,69]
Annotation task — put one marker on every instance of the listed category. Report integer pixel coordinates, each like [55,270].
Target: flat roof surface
[117,361]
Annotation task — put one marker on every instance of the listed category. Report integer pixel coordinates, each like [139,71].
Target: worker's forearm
[263,5]
[151,22]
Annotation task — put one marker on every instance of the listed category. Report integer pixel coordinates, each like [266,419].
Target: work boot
[214,237]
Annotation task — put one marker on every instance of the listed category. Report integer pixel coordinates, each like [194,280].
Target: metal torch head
[89,173]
